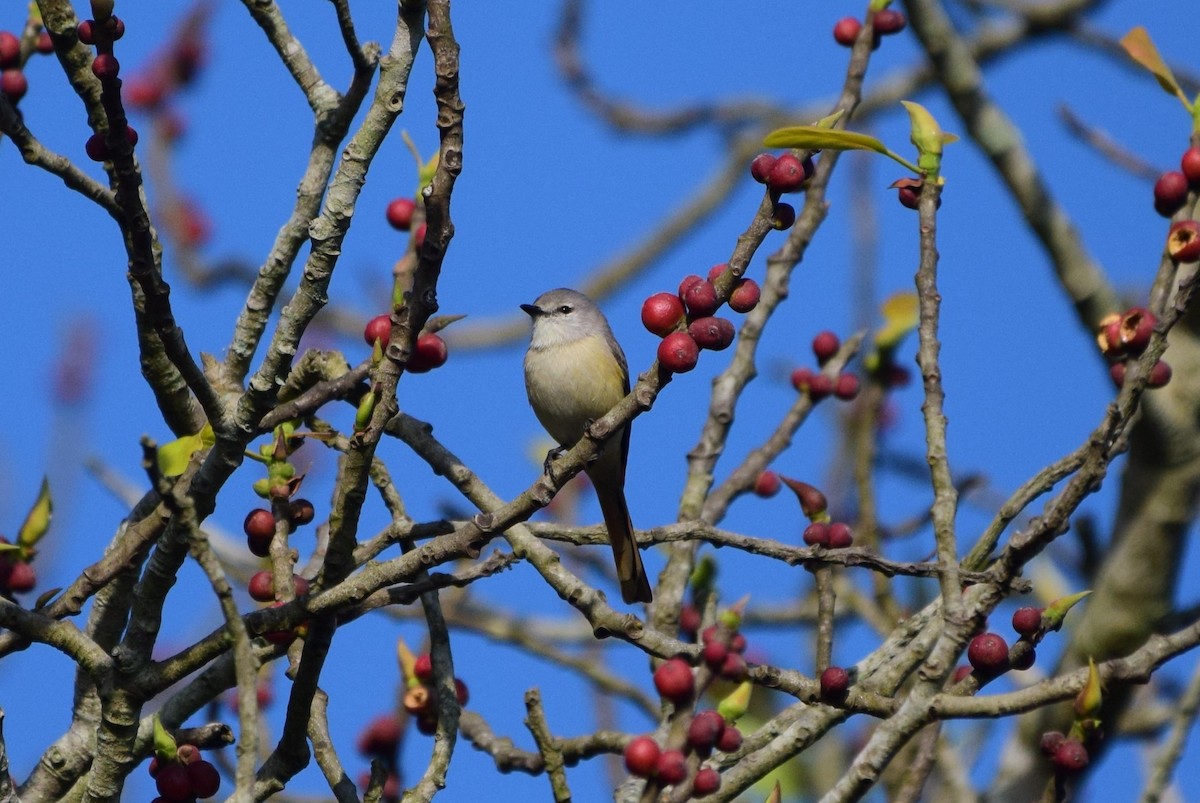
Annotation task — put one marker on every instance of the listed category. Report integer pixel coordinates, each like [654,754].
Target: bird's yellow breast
[572,383]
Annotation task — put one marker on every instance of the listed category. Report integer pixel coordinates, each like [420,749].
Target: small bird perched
[575,372]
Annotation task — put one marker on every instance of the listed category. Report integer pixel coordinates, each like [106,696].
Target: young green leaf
[38,520]
[1140,47]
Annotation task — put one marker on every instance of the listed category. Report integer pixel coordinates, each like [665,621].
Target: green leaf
[173,457]
[1140,47]
[38,520]
[816,137]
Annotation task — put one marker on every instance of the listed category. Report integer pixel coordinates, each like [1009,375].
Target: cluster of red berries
[1126,336]
[831,535]
[174,67]
[695,303]
[262,586]
[887,22]
[380,739]
[420,699]
[1068,755]
[989,654]
[429,351]
[399,215]
[1171,189]
[259,525]
[816,384]
[184,778]
[785,173]
[17,576]
[13,83]
[708,731]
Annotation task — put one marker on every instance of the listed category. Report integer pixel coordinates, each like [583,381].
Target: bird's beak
[532,310]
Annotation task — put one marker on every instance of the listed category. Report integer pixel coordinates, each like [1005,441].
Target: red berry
[85,30]
[1160,375]
[187,754]
[105,66]
[1117,372]
[716,270]
[840,535]
[400,213]
[678,353]
[846,31]
[1137,325]
[704,730]
[714,334]
[714,654]
[760,168]
[817,534]
[800,379]
[1050,742]
[378,328]
[687,283]
[1071,757]
[701,299]
[737,643]
[784,216]
[381,737]
[1109,338]
[423,667]
[825,345]
[767,484]
[144,92]
[988,653]
[661,313]
[300,585]
[709,635]
[419,235]
[787,174]
[427,725]
[461,692]
[44,44]
[745,295]
[889,21]
[259,523]
[707,781]
[835,682]
[204,778]
[262,587]
[674,680]
[429,352]
[641,757]
[14,84]
[1183,241]
[22,577]
[909,197]
[301,512]
[1024,659]
[671,768]
[115,27]
[10,50]
[689,620]
[734,668]
[846,387]
[819,387]
[1190,165]
[173,783]
[1027,621]
[731,739]
[960,672]
[1170,191]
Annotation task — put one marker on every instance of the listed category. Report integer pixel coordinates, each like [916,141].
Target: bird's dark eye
[565,308]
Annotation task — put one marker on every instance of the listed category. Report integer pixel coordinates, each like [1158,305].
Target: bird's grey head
[562,316]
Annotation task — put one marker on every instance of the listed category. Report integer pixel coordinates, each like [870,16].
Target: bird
[575,372]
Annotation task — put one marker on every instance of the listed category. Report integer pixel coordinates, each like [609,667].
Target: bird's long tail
[635,586]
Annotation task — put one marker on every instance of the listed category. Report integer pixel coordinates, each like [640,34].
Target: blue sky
[547,195]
